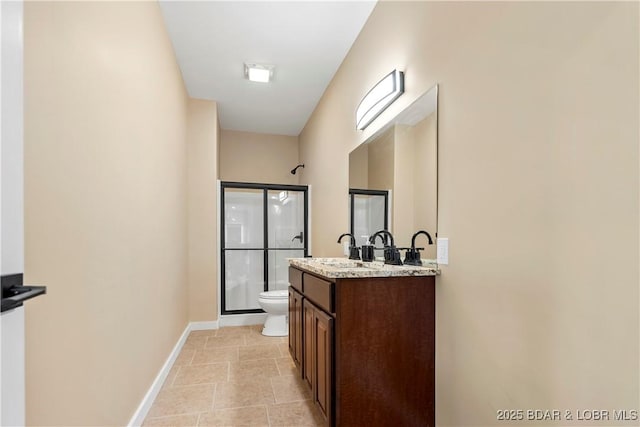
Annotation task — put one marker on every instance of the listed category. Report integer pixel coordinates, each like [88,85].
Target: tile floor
[233,376]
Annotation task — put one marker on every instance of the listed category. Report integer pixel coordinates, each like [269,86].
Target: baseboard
[143,409]
[242,319]
[203,326]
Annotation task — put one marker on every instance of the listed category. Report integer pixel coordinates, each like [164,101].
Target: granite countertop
[344,268]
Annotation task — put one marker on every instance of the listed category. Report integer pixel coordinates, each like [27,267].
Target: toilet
[276,304]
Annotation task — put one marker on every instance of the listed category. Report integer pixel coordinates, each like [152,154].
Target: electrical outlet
[442,245]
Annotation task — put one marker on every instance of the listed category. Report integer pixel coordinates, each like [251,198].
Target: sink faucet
[391,253]
[354,251]
[382,233]
[412,256]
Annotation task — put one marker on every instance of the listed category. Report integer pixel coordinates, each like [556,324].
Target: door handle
[300,237]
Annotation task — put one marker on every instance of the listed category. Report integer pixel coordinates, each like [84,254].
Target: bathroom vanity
[362,336]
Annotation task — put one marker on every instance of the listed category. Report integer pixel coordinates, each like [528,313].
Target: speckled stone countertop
[344,268]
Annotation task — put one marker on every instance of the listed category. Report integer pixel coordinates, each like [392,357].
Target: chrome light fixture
[379,98]
[258,73]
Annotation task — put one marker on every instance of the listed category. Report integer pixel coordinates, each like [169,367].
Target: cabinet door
[295,326]
[308,364]
[292,325]
[323,343]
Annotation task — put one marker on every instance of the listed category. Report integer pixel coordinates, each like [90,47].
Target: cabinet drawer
[295,278]
[319,291]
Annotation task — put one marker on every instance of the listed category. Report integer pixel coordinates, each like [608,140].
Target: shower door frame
[362,192]
[265,247]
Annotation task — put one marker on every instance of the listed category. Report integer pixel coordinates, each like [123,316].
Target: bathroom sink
[350,264]
[339,263]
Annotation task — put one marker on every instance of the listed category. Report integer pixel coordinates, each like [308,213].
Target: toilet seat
[274,295]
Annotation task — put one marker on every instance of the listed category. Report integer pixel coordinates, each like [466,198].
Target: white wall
[12,136]
[12,349]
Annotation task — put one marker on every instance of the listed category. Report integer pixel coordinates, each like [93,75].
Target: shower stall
[261,226]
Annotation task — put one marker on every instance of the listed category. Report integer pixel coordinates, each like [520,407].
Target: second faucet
[391,253]
[354,251]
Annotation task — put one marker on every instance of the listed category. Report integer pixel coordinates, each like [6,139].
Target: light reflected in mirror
[393,177]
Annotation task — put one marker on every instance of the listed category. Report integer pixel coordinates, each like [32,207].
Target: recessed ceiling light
[258,73]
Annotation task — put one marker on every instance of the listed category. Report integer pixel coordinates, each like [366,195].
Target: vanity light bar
[379,98]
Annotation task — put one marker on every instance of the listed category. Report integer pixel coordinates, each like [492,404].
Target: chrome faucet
[391,253]
[354,251]
[412,256]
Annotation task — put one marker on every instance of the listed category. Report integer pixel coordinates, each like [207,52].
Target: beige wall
[202,143]
[105,206]
[415,196]
[538,193]
[425,179]
[381,162]
[403,216]
[359,167]
[256,157]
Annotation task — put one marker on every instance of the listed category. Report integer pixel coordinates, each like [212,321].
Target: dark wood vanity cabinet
[318,355]
[295,326]
[368,347]
[322,361]
[308,353]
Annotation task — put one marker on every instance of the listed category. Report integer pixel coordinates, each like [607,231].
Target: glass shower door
[287,237]
[262,226]
[243,248]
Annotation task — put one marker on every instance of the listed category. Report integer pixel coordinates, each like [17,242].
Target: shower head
[293,171]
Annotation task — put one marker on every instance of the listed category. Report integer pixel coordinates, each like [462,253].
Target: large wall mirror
[393,177]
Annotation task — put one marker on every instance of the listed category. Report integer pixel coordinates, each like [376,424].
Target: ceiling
[306,41]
